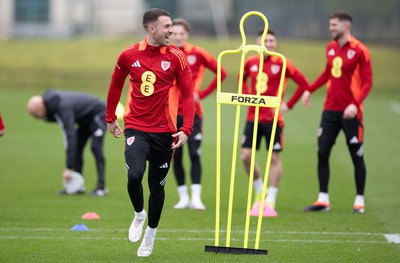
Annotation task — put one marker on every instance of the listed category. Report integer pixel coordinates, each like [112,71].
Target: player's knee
[135,174]
[275,159]
[157,191]
[323,152]
[356,149]
[195,154]
[245,155]
[323,155]
[97,150]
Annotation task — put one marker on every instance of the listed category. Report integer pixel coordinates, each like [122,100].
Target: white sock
[258,185]
[196,191]
[183,191]
[359,200]
[323,197]
[271,194]
[140,215]
[150,232]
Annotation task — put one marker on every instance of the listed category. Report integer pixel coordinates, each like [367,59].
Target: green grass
[35,221]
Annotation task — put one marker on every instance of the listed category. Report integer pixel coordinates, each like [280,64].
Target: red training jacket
[199,59]
[152,101]
[272,70]
[348,72]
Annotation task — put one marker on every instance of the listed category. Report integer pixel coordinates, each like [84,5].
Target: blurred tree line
[373,21]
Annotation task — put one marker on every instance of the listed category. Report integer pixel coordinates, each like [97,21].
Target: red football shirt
[272,70]
[348,72]
[153,97]
[199,59]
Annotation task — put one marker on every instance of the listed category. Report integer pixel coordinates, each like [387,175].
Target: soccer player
[348,73]
[270,83]
[150,123]
[68,108]
[2,126]
[199,59]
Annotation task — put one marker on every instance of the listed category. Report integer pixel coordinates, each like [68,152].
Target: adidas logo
[360,151]
[98,133]
[198,137]
[353,140]
[331,52]
[163,181]
[136,64]
[164,166]
[277,146]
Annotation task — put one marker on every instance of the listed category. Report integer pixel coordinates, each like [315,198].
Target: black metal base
[235,250]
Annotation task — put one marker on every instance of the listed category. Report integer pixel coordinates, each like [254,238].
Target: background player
[348,72]
[150,123]
[2,126]
[68,108]
[271,77]
[199,59]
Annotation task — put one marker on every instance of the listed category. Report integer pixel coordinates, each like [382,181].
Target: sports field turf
[35,221]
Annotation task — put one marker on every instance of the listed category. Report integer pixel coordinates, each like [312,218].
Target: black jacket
[68,108]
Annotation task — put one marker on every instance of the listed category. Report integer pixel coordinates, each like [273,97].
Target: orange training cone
[90,215]
[268,211]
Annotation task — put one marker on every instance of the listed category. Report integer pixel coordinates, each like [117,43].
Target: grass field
[35,221]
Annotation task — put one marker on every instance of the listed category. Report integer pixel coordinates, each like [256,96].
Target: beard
[338,35]
[159,41]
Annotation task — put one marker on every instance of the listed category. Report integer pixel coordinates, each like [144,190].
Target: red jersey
[272,70]
[152,101]
[199,59]
[348,72]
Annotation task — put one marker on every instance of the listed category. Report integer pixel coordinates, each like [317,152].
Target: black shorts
[197,127]
[264,130]
[154,148]
[148,143]
[331,124]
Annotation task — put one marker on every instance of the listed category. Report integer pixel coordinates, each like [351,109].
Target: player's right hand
[305,98]
[115,129]
[350,112]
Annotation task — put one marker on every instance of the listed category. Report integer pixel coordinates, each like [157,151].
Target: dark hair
[342,16]
[271,32]
[181,22]
[152,15]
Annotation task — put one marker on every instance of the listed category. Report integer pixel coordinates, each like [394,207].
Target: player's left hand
[284,108]
[67,175]
[182,138]
[196,97]
[305,98]
[350,112]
